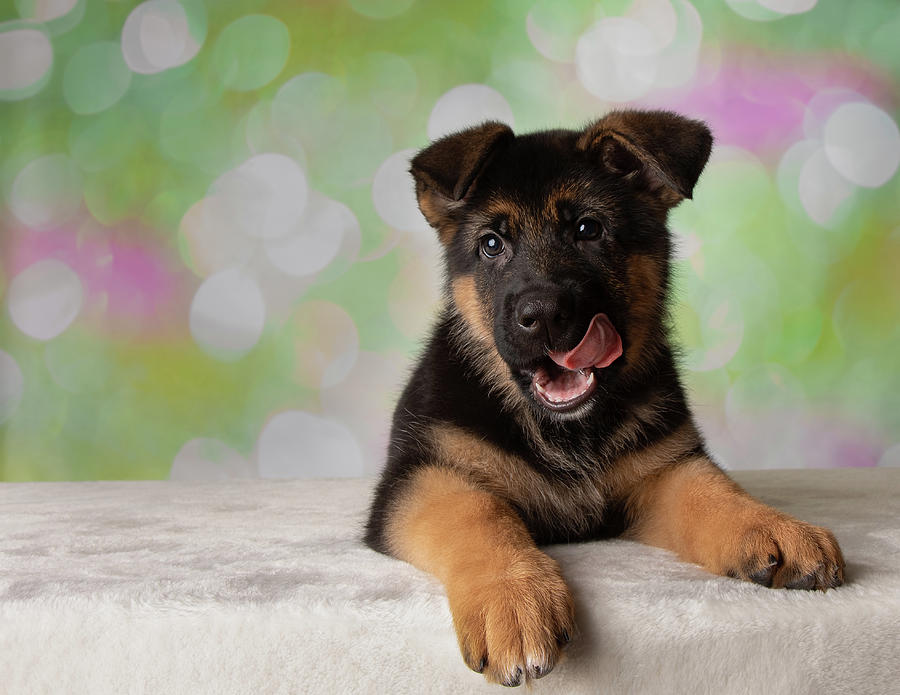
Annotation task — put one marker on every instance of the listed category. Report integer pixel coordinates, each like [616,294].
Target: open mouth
[568,379]
[561,389]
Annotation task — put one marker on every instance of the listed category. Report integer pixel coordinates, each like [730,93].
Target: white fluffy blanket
[263,587]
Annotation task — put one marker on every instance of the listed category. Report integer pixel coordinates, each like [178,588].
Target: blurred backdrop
[213,265]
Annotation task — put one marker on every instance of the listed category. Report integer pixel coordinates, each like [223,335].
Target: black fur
[533,191]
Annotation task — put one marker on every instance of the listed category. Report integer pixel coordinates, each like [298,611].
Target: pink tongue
[600,347]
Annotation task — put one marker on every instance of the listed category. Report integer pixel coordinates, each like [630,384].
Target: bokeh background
[213,266]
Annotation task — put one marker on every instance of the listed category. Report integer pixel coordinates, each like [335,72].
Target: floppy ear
[658,150]
[447,170]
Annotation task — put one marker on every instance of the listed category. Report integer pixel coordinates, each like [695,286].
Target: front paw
[512,621]
[781,552]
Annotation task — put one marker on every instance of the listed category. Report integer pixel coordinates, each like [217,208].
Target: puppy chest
[559,513]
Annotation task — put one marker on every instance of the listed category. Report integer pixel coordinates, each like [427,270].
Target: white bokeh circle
[298,444]
[315,240]
[348,252]
[546,42]
[45,298]
[862,143]
[394,194]
[659,16]
[821,105]
[616,59]
[326,344]
[263,198]
[46,192]
[12,386]
[821,189]
[26,56]
[365,400]
[157,36]
[655,44]
[227,314]
[553,27]
[414,296]
[212,242]
[678,61]
[207,459]
[787,175]
[465,106]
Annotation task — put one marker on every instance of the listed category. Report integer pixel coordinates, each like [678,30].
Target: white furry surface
[263,587]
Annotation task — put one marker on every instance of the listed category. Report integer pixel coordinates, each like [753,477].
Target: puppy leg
[695,510]
[511,608]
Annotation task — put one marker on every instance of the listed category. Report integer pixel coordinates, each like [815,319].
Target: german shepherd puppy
[547,406]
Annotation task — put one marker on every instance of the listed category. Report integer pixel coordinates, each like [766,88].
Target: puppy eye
[491,245]
[588,229]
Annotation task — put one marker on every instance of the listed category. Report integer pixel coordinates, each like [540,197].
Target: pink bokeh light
[758,100]
[121,270]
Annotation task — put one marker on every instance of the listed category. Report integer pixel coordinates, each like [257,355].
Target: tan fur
[645,292]
[471,309]
[478,547]
[497,377]
[632,469]
[465,509]
[655,141]
[563,195]
[498,207]
[512,479]
[447,172]
[433,206]
[479,338]
[696,511]
[574,502]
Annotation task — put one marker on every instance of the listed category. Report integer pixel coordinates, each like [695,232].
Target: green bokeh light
[391,82]
[381,9]
[46,192]
[97,150]
[199,132]
[95,78]
[78,362]
[115,194]
[251,51]
[106,140]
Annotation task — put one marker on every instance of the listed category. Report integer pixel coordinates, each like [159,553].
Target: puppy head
[556,247]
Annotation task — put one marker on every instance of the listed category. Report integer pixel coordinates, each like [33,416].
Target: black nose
[544,314]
